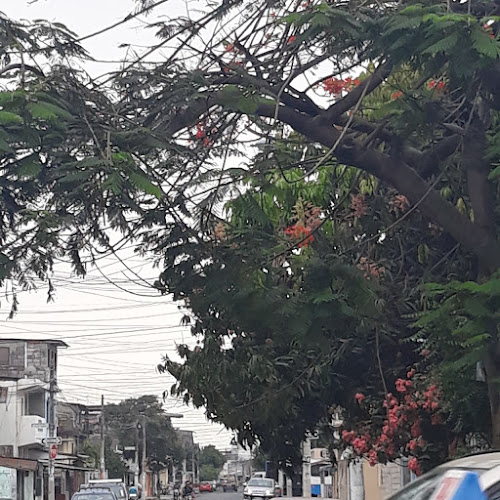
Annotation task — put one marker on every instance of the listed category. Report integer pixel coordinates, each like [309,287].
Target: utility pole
[306,467]
[136,469]
[144,456]
[102,461]
[52,424]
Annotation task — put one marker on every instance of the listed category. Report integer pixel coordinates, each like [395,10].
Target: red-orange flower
[359,397]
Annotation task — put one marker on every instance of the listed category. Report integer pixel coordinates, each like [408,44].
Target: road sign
[53,451]
[52,440]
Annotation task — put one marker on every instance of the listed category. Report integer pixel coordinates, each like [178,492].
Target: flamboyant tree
[405,93]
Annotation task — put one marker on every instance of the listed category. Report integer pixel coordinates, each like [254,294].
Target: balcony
[31,430]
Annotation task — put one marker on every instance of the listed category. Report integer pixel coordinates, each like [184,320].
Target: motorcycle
[176,494]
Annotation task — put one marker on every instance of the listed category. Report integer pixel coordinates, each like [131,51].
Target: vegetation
[210,462]
[320,186]
[125,423]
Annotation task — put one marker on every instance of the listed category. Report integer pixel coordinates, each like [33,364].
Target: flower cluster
[489,28]
[397,94]
[358,205]
[401,430]
[399,204]
[203,135]
[437,85]
[308,219]
[335,86]
[300,233]
[370,268]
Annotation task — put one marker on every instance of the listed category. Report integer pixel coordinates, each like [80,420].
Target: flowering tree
[391,108]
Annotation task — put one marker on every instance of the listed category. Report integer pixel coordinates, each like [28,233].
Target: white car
[485,465]
[259,487]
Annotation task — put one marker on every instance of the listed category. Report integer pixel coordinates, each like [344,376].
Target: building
[28,370]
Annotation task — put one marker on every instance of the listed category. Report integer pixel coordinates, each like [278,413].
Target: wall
[7,483]
[26,359]
[8,417]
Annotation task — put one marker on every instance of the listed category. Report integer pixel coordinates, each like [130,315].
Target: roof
[56,342]
[18,463]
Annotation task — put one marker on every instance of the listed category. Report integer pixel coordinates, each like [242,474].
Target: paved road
[220,495]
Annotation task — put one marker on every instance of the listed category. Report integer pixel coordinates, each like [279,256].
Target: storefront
[19,479]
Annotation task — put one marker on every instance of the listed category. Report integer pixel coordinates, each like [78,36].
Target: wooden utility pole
[52,427]
[102,461]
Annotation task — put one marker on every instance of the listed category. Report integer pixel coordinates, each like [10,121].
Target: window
[4,355]
[34,404]
[4,391]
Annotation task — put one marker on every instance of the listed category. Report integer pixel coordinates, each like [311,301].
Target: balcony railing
[31,430]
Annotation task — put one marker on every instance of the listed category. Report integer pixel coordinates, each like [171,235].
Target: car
[486,465]
[117,486]
[205,486]
[260,487]
[229,485]
[94,494]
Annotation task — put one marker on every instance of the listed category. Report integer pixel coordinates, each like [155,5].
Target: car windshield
[263,483]
[93,495]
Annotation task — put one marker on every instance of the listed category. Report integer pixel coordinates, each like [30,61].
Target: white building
[26,367]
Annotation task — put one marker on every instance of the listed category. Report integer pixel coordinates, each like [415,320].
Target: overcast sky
[116,338]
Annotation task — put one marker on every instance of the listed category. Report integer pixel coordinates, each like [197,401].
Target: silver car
[259,487]
[485,465]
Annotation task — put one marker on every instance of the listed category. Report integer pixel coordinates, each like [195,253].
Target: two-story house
[26,367]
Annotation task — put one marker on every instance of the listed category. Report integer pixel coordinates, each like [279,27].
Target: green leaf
[29,166]
[484,44]
[320,20]
[232,97]
[8,118]
[443,45]
[495,173]
[47,111]
[144,184]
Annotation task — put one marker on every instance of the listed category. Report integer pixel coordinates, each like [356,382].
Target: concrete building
[25,371]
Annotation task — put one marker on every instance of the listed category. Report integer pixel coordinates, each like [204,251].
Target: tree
[125,421]
[208,473]
[210,455]
[211,461]
[420,119]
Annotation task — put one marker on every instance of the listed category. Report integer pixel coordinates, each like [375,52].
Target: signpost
[52,440]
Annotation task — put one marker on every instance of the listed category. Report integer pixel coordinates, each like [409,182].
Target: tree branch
[350,100]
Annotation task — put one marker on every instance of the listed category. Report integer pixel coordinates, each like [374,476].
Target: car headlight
[269,493]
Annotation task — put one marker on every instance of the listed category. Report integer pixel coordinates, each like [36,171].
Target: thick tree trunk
[477,167]
[492,368]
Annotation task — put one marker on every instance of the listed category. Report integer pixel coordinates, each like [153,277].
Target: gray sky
[116,338]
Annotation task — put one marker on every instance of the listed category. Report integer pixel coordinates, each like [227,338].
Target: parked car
[94,494]
[205,486]
[229,485]
[486,465]
[259,487]
[117,486]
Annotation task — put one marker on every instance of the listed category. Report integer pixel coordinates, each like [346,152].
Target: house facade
[26,368]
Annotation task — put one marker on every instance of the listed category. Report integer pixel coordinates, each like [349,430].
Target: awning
[45,463]
[18,463]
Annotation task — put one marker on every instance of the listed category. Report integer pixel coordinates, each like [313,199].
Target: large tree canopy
[367,138]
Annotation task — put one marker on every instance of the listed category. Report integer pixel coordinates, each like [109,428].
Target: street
[220,495]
